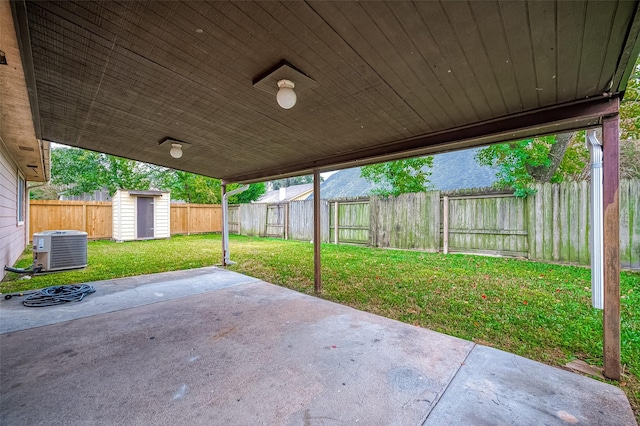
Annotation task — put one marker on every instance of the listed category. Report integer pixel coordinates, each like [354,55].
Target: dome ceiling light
[176,147]
[284,81]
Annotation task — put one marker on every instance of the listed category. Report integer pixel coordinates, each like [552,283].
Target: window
[20,200]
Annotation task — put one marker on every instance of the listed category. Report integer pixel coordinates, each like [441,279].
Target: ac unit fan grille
[68,251]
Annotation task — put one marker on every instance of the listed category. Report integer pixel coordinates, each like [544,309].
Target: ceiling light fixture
[176,150]
[286,96]
[279,81]
[175,146]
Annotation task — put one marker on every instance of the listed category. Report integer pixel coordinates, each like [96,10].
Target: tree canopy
[77,171]
[296,180]
[630,106]
[399,177]
[521,164]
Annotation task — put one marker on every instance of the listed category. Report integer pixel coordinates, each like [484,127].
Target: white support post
[596,234]
[226,259]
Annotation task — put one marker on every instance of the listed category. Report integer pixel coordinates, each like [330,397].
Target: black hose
[30,270]
[57,295]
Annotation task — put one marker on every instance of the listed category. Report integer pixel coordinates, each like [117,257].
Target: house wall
[13,236]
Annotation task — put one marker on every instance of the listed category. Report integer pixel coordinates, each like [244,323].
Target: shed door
[145,217]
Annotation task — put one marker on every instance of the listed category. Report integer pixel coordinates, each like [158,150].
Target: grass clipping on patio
[536,310]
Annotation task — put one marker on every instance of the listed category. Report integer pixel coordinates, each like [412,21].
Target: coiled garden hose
[57,295]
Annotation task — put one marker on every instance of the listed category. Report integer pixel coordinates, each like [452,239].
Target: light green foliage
[193,188]
[79,171]
[630,159]
[254,192]
[43,192]
[576,159]
[516,160]
[630,106]
[399,177]
[296,180]
[198,189]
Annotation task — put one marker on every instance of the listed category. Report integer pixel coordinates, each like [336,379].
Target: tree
[43,192]
[79,171]
[76,170]
[523,163]
[630,159]
[193,188]
[254,192]
[399,177]
[630,106]
[296,180]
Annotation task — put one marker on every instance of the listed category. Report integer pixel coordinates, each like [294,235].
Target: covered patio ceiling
[389,79]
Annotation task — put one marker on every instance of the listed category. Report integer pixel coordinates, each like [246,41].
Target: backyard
[537,310]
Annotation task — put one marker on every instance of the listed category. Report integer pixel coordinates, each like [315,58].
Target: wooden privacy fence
[552,225]
[92,217]
[195,218]
[292,220]
[95,217]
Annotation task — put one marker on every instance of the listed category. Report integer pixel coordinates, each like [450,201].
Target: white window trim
[21,188]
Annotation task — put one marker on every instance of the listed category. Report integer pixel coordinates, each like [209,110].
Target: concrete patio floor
[212,347]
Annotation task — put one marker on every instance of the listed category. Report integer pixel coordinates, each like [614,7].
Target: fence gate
[351,221]
[276,220]
[486,224]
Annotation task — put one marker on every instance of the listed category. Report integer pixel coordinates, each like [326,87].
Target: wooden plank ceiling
[120,77]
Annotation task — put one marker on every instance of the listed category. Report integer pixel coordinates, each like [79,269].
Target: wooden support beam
[551,120]
[317,234]
[611,219]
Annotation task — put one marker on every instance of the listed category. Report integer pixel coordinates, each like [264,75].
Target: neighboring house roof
[451,171]
[290,193]
[460,170]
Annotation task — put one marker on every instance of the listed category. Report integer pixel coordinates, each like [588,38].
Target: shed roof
[389,79]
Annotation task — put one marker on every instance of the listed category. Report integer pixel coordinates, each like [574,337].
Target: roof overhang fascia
[557,119]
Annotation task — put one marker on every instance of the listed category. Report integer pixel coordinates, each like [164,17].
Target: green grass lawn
[537,310]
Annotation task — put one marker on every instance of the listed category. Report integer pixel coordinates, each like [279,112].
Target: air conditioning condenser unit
[59,250]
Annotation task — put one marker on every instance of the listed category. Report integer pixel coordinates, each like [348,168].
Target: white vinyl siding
[13,235]
[162,222]
[125,218]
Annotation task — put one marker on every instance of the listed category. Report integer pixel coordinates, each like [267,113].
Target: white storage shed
[141,215]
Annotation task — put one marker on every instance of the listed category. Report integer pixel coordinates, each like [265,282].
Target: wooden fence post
[335,222]
[286,221]
[445,224]
[84,218]
[188,219]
